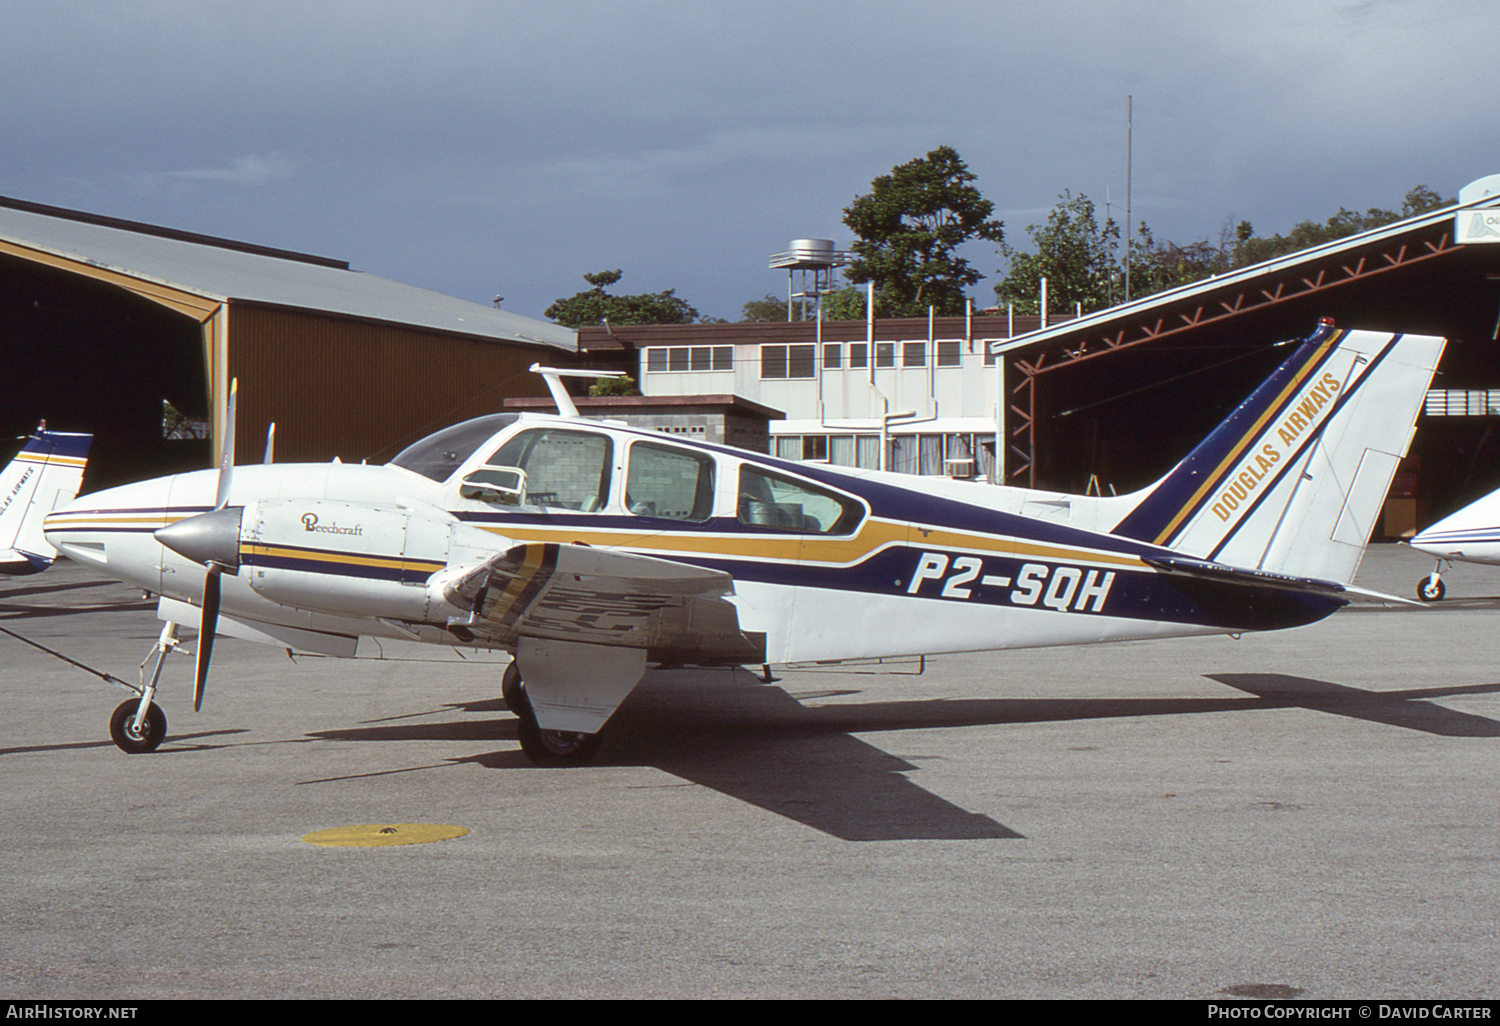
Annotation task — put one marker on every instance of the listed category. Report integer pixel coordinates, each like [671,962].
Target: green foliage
[768,309]
[595,306]
[908,230]
[1080,257]
[623,385]
[1075,253]
[845,304]
[1306,234]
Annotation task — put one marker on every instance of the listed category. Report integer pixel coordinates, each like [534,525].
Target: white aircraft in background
[44,475]
[1472,535]
[589,550]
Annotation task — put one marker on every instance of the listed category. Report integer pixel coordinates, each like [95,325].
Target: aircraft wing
[676,612]
[1224,574]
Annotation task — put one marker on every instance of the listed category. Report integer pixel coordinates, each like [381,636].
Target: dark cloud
[484,148]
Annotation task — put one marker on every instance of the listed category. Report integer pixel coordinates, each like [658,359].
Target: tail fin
[45,474]
[1293,482]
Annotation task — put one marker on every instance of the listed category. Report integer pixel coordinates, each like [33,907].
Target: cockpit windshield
[437,456]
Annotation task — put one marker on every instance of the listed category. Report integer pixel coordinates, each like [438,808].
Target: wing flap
[676,612]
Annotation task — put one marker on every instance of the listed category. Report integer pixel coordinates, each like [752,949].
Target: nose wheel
[1430,588]
[138,724]
[133,732]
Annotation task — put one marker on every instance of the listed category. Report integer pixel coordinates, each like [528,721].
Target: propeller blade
[226,455]
[206,629]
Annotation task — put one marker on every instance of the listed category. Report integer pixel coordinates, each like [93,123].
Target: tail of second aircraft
[45,474]
[1293,482]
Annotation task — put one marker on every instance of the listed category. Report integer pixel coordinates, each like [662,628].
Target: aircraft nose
[207,538]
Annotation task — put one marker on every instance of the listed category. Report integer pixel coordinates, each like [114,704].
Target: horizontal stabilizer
[1263,579]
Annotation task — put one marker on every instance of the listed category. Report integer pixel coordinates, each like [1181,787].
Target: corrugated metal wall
[361,390]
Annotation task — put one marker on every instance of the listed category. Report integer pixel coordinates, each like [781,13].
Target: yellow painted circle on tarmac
[381,835]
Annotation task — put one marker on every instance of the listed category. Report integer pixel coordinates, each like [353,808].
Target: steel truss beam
[1203,308]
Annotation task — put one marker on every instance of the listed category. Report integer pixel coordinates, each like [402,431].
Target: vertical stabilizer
[1294,480]
[45,474]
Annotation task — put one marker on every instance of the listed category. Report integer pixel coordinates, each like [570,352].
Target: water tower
[803,257]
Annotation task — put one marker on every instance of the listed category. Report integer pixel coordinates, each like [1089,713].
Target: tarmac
[1309,814]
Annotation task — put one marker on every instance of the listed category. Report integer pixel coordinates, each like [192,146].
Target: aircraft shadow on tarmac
[761,745]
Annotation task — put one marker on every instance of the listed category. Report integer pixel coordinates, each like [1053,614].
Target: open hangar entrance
[105,325]
[87,355]
[1114,400]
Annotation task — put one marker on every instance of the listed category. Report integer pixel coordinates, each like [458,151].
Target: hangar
[104,321]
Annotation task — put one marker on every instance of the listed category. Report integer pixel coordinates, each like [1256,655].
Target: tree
[595,306]
[1075,253]
[909,228]
[768,309]
[608,387]
[1306,234]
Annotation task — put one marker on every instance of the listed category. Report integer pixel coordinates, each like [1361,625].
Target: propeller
[212,539]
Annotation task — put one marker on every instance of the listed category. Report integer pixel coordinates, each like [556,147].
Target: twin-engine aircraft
[44,475]
[1471,535]
[588,549]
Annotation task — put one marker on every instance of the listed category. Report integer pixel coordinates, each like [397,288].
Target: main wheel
[511,689]
[122,727]
[553,747]
[1430,588]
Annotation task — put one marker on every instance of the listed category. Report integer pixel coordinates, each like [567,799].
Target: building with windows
[910,394]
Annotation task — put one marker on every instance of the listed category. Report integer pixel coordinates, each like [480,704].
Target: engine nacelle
[351,558]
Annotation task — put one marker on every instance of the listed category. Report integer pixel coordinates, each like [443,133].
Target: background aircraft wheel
[555,747]
[511,690]
[1430,589]
[153,728]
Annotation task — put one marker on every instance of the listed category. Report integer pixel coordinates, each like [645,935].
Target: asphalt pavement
[1304,814]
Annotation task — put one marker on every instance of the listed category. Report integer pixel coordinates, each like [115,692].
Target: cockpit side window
[438,455]
[768,500]
[671,483]
[559,469]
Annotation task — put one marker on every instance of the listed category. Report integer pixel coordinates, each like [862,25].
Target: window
[669,483]
[559,469]
[768,500]
[814,447]
[788,361]
[885,354]
[950,353]
[833,356]
[859,355]
[914,354]
[689,358]
[438,456]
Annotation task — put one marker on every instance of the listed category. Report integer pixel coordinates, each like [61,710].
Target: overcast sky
[506,148]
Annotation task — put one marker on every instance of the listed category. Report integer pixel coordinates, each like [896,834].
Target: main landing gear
[544,747]
[1430,588]
[138,724]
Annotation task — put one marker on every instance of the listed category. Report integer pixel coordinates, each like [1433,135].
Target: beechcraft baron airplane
[588,549]
[1472,535]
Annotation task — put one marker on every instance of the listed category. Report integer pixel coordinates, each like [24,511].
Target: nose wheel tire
[127,738]
[1431,589]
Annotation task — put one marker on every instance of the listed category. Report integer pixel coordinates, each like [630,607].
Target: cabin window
[669,483]
[561,469]
[768,500]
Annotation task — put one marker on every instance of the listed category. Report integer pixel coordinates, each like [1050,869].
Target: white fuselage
[1472,535]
